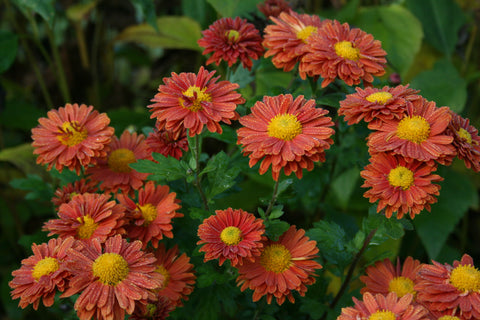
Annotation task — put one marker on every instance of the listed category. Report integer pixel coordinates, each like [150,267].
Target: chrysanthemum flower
[72,136]
[232,39]
[465,140]
[336,51]
[372,103]
[42,274]
[381,307]
[400,186]
[284,266]
[287,39]
[231,234]
[111,277]
[151,216]
[452,289]
[165,143]
[384,277]
[191,101]
[114,171]
[154,310]
[286,133]
[67,192]
[178,273]
[88,216]
[273,8]
[420,134]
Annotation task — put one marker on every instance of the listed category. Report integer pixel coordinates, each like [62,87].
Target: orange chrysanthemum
[286,133]
[165,143]
[178,273]
[287,39]
[110,278]
[114,171]
[381,307]
[231,234]
[72,136]
[88,216]
[42,274]
[419,135]
[232,39]
[372,103]
[465,140]
[284,266]
[454,290]
[400,186]
[67,192]
[336,51]
[151,216]
[190,101]
[158,309]
[273,8]
[384,277]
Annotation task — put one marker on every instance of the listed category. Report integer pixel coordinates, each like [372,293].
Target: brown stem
[273,199]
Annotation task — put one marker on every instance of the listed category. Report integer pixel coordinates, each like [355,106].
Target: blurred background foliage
[113,54]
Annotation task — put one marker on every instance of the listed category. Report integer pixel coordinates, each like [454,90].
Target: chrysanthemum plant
[243,199]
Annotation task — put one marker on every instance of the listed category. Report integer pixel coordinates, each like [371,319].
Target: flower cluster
[418,291]
[270,268]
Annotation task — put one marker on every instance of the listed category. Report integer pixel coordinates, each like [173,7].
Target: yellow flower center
[163,271]
[119,160]
[401,177]
[449,318]
[44,267]
[149,212]
[465,135]
[276,258]
[196,96]
[232,35]
[401,286]
[465,278]
[87,227]
[382,315]
[151,309]
[415,129]
[305,33]
[110,268]
[379,97]
[346,50]
[231,235]
[72,133]
[284,127]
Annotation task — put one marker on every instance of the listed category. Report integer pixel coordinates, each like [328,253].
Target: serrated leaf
[441,21]
[165,169]
[443,84]
[332,242]
[44,8]
[456,196]
[223,177]
[275,228]
[175,32]
[199,213]
[397,28]
[8,48]
[241,76]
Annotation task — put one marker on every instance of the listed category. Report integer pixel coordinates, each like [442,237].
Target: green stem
[196,152]
[273,199]
[62,80]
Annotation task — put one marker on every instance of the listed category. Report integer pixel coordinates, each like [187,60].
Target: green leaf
[175,32]
[441,21]
[456,196]
[276,213]
[44,8]
[22,157]
[38,188]
[331,99]
[199,213]
[147,8]
[8,48]
[398,29]
[78,11]
[344,184]
[443,84]
[234,8]
[275,228]
[241,76]
[166,168]
[223,177]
